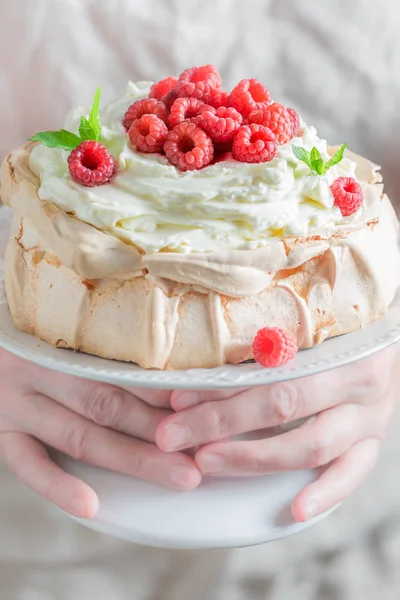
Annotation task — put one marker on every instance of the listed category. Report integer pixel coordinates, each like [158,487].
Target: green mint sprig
[314,159]
[89,129]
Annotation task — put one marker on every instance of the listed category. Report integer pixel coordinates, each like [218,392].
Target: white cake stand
[221,512]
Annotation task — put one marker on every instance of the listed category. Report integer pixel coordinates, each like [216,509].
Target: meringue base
[162,324]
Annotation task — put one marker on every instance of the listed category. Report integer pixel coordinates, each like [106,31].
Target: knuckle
[140,464]
[320,452]
[156,398]
[75,440]
[257,462]
[374,381]
[215,424]
[103,405]
[285,400]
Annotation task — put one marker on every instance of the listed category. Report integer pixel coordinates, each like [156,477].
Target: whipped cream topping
[226,206]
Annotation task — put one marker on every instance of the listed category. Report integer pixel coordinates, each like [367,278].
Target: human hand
[350,410]
[93,422]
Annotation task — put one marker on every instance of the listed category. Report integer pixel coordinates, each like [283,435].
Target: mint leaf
[86,130]
[89,129]
[336,158]
[314,159]
[317,164]
[94,116]
[315,154]
[302,154]
[57,139]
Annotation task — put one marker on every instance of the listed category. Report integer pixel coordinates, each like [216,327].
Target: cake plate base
[221,513]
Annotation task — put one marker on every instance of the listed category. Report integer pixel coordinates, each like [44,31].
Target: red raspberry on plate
[221,123]
[188,147]
[148,134]
[248,95]
[276,118]
[161,88]
[198,82]
[254,143]
[273,347]
[146,106]
[184,109]
[347,194]
[91,164]
[295,120]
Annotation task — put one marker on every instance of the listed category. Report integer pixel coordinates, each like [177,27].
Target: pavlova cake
[183,226]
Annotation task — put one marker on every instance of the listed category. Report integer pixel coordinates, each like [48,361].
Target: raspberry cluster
[193,122]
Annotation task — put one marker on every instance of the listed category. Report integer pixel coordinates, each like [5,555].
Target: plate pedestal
[221,513]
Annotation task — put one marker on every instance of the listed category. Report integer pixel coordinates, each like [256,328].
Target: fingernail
[210,464]
[186,400]
[80,508]
[184,477]
[175,437]
[84,508]
[311,509]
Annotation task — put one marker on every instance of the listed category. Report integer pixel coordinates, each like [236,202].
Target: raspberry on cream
[184,109]
[148,134]
[145,106]
[91,164]
[348,195]
[161,88]
[277,119]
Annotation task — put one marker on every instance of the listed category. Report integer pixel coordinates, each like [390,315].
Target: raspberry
[198,82]
[161,88]
[348,195]
[184,109]
[146,106]
[276,118]
[169,98]
[221,123]
[248,95]
[148,134]
[91,164]
[273,347]
[218,98]
[295,120]
[254,143]
[188,147]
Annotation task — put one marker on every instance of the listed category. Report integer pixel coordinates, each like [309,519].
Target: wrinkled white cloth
[337,63]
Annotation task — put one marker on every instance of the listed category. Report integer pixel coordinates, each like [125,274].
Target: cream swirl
[227,206]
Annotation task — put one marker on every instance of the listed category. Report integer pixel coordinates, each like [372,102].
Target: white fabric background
[337,62]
